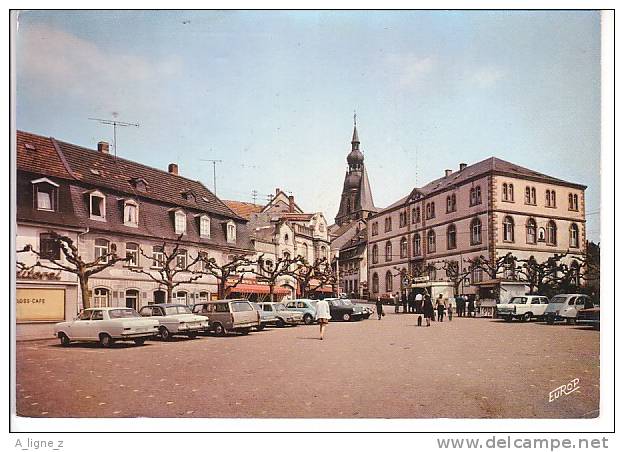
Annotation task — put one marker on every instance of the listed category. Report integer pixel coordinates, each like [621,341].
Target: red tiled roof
[296,216]
[37,154]
[243,209]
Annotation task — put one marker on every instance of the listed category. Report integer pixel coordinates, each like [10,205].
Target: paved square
[467,368]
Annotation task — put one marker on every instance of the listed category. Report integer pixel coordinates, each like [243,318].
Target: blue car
[304,306]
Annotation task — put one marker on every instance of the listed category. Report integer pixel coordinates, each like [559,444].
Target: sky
[272,94]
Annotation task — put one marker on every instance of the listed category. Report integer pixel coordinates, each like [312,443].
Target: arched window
[414,216]
[431,241]
[416,245]
[505,192]
[403,247]
[101,250]
[132,299]
[375,254]
[388,251]
[511,193]
[551,233]
[575,274]
[449,205]
[324,252]
[475,232]
[375,283]
[574,236]
[570,202]
[531,231]
[451,237]
[160,296]
[101,298]
[508,229]
[553,198]
[433,210]
[417,214]
[181,296]
[527,195]
[533,196]
[432,273]
[478,194]
[388,281]
[548,198]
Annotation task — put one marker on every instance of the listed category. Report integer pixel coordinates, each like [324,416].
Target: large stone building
[105,203]
[489,208]
[348,234]
[281,229]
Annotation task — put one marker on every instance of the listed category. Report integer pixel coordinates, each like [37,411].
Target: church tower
[356,201]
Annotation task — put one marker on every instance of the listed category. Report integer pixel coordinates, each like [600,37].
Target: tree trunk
[84,289]
[271,289]
[169,293]
[221,289]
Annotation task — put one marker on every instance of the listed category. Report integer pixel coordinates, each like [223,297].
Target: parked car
[589,315]
[566,306]
[224,316]
[305,307]
[343,310]
[266,317]
[523,307]
[358,309]
[106,325]
[283,316]
[175,319]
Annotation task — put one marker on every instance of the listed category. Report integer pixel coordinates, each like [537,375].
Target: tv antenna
[114,123]
[214,172]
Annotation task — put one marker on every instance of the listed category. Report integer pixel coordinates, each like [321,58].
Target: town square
[308,215]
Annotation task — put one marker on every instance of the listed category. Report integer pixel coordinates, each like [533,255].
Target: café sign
[40,305]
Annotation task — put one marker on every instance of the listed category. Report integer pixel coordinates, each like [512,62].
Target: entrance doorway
[132,299]
[160,296]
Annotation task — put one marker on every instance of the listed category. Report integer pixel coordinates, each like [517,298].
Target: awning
[259,288]
[324,289]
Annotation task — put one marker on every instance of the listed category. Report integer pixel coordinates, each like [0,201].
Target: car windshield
[181,309]
[280,307]
[347,302]
[518,300]
[257,306]
[122,313]
[558,299]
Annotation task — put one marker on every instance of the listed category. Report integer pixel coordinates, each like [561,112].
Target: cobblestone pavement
[467,368]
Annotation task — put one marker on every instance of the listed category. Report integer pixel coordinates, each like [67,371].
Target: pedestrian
[404,302]
[461,306]
[440,307]
[410,301]
[322,315]
[449,310]
[428,309]
[418,307]
[396,300]
[471,307]
[379,306]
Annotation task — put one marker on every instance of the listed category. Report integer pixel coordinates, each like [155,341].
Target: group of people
[463,301]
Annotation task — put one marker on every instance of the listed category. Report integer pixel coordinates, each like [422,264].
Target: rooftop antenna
[254,195]
[114,123]
[214,172]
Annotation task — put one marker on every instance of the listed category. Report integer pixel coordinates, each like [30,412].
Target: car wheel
[259,327]
[164,333]
[526,317]
[140,341]
[508,318]
[280,323]
[245,331]
[308,319]
[218,329]
[64,339]
[571,321]
[346,317]
[192,335]
[106,340]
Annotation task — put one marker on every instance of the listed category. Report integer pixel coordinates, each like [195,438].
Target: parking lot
[467,368]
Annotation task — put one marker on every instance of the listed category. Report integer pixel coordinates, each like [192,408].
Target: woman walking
[428,309]
[322,315]
[379,306]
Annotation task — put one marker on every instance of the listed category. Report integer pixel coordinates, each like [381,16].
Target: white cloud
[410,69]
[487,76]
[54,60]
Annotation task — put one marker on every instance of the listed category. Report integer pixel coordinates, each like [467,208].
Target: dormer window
[97,205]
[45,194]
[131,213]
[189,195]
[231,232]
[204,226]
[139,183]
[179,219]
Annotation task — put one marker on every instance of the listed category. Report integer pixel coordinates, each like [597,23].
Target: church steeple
[355,141]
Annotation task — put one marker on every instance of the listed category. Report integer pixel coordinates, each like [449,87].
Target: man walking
[379,307]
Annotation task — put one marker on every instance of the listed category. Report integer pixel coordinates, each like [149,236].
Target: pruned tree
[493,267]
[229,274]
[455,273]
[171,267]
[73,262]
[269,272]
[542,277]
[320,271]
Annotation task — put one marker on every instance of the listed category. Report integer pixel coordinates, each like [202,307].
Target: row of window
[46,198]
[533,235]
[102,298]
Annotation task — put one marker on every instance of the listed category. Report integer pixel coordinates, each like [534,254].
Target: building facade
[487,209]
[108,204]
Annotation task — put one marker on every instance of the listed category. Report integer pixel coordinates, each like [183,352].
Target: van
[225,316]
[566,306]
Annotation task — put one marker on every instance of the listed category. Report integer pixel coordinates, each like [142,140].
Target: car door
[78,328]
[244,312]
[94,327]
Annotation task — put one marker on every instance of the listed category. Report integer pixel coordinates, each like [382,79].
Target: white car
[523,307]
[566,306]
[175,319]
[106,325]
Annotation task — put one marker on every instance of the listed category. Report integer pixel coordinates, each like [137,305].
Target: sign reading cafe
[40,305]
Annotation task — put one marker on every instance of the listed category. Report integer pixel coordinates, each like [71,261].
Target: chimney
[173,168]
[277,190]
[447,172]
[462,166]
[103,147]
[291,203]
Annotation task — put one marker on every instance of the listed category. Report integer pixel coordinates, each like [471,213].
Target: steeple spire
[355,141]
